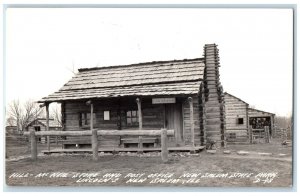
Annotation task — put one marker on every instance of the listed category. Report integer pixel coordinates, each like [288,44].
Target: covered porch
[128,113]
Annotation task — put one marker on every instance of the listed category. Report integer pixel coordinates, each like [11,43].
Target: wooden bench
[76,142]
[123,141]
[144,140]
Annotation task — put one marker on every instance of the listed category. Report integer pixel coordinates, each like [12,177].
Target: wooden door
[173,117]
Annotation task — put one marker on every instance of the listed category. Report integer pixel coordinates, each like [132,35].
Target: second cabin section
[244,124]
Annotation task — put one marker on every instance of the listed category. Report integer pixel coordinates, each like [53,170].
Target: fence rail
[16,139]
[103,132]
[163,133]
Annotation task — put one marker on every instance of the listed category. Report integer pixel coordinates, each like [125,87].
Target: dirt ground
[131,169]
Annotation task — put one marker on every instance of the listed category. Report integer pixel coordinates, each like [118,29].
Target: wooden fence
[260,134]
[16,139]
[94,138]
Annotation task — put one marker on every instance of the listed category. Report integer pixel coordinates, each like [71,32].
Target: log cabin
[40,124]
[183,95]
[242,121]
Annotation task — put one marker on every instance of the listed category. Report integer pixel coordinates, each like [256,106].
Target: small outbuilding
[40,124]
[243,123]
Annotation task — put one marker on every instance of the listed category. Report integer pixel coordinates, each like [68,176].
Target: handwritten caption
[151,178]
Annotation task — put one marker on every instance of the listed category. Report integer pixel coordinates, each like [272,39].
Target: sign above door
[163,100]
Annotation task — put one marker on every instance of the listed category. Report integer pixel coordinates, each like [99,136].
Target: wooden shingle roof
[178,77]
[230,95]
[255,112]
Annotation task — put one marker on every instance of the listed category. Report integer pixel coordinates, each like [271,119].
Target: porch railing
[94,138]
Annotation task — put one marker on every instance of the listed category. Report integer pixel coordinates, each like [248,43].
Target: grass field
[183,169]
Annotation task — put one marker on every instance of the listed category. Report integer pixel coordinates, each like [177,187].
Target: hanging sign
[163,100]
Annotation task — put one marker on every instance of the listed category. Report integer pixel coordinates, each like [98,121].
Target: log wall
[235,109]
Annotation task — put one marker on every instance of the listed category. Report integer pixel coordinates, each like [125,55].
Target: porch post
[267,134]
[250,134]
[92,119]
[272,126]
[94,137]
[33,145]
[164,146]
[95,144]
[47,125]
[190,99]
[138,101]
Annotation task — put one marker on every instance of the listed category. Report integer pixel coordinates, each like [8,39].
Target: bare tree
[10,121]
[283,121]
[24,114]
[56,114]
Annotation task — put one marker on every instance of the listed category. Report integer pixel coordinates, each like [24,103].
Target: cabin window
[132,118]
[106,115]
[85,118]
[37,128]
[240,121]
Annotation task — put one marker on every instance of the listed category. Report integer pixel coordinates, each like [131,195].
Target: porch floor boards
[112,149]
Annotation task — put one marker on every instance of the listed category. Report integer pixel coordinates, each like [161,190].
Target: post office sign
[163,100]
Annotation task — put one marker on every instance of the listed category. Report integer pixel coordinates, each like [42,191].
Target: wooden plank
[212,103]
[138,101]
[211,61]
[211,86]
[212,74]
[117,149]
[212,109]
[94,144]
[212,127]
[190,99]
[212,57]
[213,133]
[213,68]
[47,125]
[213,115]
[33,145]
[213,121]
[135,140]
[63,115]
[213,82]
[91,117]
[209,52]
[234,109]
[250,135]
[216,138]
[178,127]
[236,129]
[164,146]
[267,135]
[104,132]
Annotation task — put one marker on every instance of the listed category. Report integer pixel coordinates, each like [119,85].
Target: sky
[45,46]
